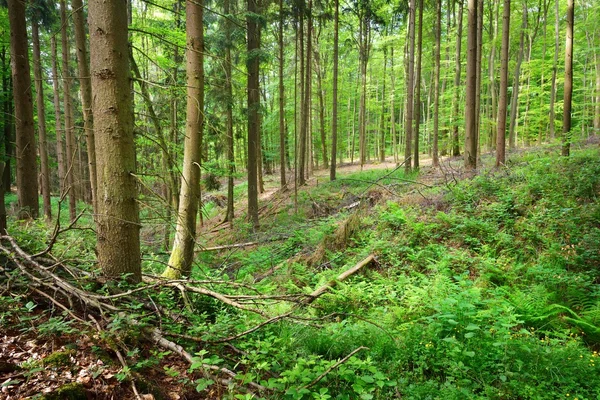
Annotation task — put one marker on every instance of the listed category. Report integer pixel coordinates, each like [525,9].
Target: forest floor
[440,284]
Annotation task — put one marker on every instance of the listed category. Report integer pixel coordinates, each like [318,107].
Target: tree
[71,169]
[417,106]
[60,148]
[470,103]
[334,110]
[281,101]
[86,94]
[436,82]
[514,102]
[502,102]
[552,115]
[27,183]
[182,255]
[41,109]
[229,106]
[252,63]
[117,221]
[568,95]
[410,85]
[455,147]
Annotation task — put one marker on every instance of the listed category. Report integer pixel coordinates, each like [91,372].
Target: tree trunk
[393,107]
[417,105]
[383,103]
[362,110]
[410,85]
[502,103]
[493,114]
[41,115]
[514,103]
[229,215]
[86,94]
[117,222]
[568,90]
[478,74]
[301,148]
[597,109]
[71,180]
[27,183]
[253,110]
[470,101]
[281,99]
[436,82]
[60,155]
[334,111]
[320,77]
[552,116]
[455,146]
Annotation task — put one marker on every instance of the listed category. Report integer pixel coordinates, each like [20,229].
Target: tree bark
[552,116]
[502,102]
[514,103]
[117,222]
[70,172]
[41,115]
[281,101]
[568,89]
[471,95]
[334,111]
[229,214]
[436,82]
[60,148]
[410,86]
[182,255]
[362,110]
[417,105]
[455,146]
[27,183]
[253,110]
[86,94]
[301,148]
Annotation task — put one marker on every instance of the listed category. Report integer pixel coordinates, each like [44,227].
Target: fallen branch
[343,276]
[334,366]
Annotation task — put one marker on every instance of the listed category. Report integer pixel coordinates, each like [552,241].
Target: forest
[300,199]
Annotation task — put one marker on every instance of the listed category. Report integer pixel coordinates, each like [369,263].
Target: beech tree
[568,89]
[502,102]
[470,103]
[182,255]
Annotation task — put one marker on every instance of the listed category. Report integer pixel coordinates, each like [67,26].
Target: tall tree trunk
[393,107]
[436,82]
[27,183]
[60,154]
[455,146]
[514,103]
[281,100]
[478,74]
[86,94]
[334,111]
[362,110]
[470,101]
[229,215]
[308,92]
[252,63]
[493,113]
[383,103]
[182,255]
[417,105]
[552,115]
[597,109]
[502,103]
[41,115]
[568,90]
[301,149]
[118,225]
[71,180]
[410,85]
[7,122]
[321,92]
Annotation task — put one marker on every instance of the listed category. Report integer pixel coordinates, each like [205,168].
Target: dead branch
[343,276]
[334,366]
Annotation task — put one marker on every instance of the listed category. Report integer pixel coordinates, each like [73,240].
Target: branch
[343,276]
[334,366]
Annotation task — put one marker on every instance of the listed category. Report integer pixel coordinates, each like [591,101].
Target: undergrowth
[487,288]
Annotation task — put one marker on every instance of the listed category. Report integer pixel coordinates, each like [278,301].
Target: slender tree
[334,108]
[470,103]
[85,89]
[229,107]
[71,154]
[502,102]
[455,146]
[410,85]
[60,148]
[514,102]
[252,63]
[182,255]
[117,221]
[27,183]
[436,82]
[41,113]
[282,179]
[568,94]
[552,116]
[418,70]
